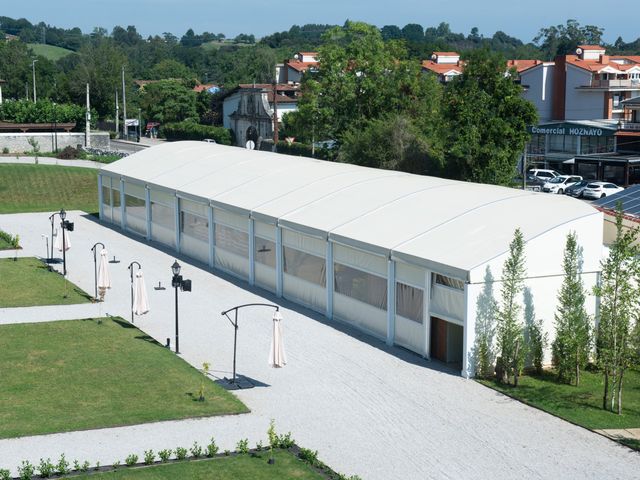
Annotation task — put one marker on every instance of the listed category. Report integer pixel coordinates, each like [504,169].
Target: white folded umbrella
[104,278]
[277,355]
[140,299]
[58,244]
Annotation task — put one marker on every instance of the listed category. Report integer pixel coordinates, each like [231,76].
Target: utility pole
[33,70]
[117,114]
[275,116]
[124,108]
[87,133]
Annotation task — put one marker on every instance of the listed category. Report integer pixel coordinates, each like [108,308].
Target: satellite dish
[296,56]
[434,57]
[578,51]
[250,145]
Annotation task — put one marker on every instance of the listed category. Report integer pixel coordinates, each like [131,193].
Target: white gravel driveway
[369,410]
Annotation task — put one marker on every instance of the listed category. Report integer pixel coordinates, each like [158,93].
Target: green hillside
[51,52]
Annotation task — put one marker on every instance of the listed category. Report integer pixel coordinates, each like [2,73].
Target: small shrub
[26,470]
[181,453]
[149,457]
[285,441]
[196,450]
[242,446]
[212,448]
[76,465]
[164,455]
[62,468]
[194,131]
[227,453]
[259,446]
[85,466]
[46,468]
[13,241]
[5,474]
[309,456]
[116,464]
[97,467]
[5,150]
[273,436]
[131,459]
[69,153]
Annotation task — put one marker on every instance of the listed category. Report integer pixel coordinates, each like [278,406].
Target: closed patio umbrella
[104,278]
[277,356]
[140,299]
[58,244]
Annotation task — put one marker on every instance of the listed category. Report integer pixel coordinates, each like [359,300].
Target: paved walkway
[615,433]
[370,410]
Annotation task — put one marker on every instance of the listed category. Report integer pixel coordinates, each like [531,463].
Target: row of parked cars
[551,181]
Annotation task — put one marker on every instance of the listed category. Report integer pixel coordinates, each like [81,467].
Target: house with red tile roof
[292,69]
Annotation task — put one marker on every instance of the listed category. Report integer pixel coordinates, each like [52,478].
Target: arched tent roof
[457,226]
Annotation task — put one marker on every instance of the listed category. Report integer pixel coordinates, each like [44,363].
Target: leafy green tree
[170,69]
[413,32]
[391,32]
[487,121]
[168,101]
[510,338]
[394,142]
[535,338]
[619,309]
[564,39]
[572,343]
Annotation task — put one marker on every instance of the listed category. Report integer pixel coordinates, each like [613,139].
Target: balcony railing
[624,83]
[629,126]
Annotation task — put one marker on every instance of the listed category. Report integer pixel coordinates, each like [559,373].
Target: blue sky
[518,18]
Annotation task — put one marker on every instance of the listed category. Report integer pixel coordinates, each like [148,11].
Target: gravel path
[378,412]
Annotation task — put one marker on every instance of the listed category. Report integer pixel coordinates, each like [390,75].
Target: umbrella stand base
[241,383]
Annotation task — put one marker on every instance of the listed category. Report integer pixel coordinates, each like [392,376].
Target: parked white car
[543,174]
[561,183]
[600,189]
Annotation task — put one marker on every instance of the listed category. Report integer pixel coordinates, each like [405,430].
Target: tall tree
[486,310]
[564,39]
[486,119]
[509,326]
[168,101]
[535,338]
[619,309]
[572,343]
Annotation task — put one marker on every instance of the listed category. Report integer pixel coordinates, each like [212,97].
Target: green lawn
[581,405]
[47,188]
[28,282]
[240,467]
[83,374]
[50,52]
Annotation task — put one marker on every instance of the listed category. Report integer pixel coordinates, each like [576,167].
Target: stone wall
[19,142]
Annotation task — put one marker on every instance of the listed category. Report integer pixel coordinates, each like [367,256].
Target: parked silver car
[561,183]
[600,189]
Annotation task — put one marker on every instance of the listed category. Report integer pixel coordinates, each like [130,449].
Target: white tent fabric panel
[304,243]
[194,248]
[134,189]
[306,293]
[116,203]
[363,260]
[160,196]
[231,219]
[447,302]
[361,315]
[200,209]
[264,230]
[265,277]
[232,263]
[163,223]
[411,275]
[410,334]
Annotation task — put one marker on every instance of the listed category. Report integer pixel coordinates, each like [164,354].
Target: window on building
[106,195]
[409,302]
[194,226]
[448,281]
[563,143]
[135,206]
[265,252]
[305,266]
[613,173]
[162,215]
[115,197]
[232,240]
[359,285]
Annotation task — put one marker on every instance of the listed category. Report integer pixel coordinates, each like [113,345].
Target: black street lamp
[95,268]
[66,225]
[130,267]
[185,285]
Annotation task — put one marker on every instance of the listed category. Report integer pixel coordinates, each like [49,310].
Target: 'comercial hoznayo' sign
[572,129]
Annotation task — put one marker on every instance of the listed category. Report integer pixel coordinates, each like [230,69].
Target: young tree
[536,339]
[510,332]
[572,344]
[619,308]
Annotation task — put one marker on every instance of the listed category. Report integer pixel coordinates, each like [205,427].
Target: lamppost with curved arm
[185,285]
[234,322]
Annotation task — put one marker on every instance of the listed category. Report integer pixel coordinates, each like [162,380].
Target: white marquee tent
[403,257]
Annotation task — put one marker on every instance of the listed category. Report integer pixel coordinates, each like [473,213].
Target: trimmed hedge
[303,150]
[195,131]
